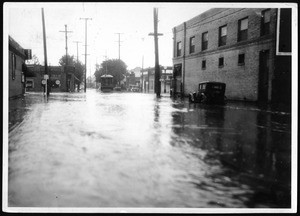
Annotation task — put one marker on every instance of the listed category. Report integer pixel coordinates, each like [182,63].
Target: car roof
[214,82]
[106,75]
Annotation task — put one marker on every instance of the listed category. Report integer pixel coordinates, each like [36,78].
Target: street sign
[57,82]
[44,82]
[46,76]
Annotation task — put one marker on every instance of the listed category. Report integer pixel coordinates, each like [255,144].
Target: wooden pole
[45,52]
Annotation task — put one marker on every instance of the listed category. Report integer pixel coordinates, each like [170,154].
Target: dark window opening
[221,62]
[179,48]
[222,35]
[13,65]
[241,59]
[192,44]
[265,22]
[243,29]
[203,64]
[204,40]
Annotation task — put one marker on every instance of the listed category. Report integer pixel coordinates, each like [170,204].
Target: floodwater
[134,150]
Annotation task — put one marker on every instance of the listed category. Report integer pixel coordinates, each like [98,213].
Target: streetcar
[106,82]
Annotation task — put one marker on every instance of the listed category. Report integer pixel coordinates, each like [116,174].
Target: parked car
[135,89]
[117,88]
[209,92]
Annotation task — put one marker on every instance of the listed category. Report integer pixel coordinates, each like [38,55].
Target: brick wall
[16,86]
[242,80]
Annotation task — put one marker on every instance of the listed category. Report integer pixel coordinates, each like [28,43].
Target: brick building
[17,68]
[61,79]
[238,46]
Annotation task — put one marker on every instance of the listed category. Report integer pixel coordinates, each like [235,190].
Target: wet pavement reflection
[134,150]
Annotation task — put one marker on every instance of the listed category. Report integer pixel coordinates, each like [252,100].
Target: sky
[133,20]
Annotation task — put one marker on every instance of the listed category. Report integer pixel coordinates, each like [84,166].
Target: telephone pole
[86,19]
[77,48]
[119,43]
[157,69]
[46,77]
[66,34]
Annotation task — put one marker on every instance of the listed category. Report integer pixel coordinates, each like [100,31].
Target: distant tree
[79,66]
[63,60]
[115,67]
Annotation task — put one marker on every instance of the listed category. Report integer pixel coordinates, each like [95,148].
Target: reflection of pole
[45,51]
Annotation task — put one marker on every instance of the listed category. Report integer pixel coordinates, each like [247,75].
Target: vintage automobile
[209,92]
[117,88]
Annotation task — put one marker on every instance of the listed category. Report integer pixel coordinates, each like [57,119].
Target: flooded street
[134,150]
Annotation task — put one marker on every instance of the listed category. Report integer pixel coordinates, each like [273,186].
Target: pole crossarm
[158,34]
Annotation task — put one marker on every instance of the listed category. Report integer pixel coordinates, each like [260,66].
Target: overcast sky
[133,20]
[23,21]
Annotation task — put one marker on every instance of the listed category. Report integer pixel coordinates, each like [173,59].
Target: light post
[165,79]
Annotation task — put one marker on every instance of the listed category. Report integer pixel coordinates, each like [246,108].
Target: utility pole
[46,77]
[77,48]
[119,43]
[86,19]
[157,69]
[143,67]
[66,34]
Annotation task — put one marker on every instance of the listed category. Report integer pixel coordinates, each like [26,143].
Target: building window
[243,29]
[179,48]
[13,65]
[204,40]
[221,62]
[222,35]
[265,22]
[203,64]
[241,59]
[151,84]
[192,44]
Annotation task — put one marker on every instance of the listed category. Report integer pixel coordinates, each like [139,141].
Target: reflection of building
[17,68]
[148,80]
[62,79]
[237,46]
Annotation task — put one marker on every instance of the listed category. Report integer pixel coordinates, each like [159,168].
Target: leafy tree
[34,60]
[115,67]
[79,66]
[63,60]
